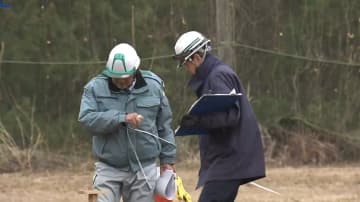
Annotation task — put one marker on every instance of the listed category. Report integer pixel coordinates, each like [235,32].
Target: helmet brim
[112,74]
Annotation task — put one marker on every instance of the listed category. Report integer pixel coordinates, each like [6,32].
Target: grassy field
[305,184]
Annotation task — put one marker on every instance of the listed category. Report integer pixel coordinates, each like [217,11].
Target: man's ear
[197,58]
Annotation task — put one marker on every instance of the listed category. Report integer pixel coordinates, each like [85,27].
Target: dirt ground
[304,184]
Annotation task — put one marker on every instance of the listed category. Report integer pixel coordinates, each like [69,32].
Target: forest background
[299,62]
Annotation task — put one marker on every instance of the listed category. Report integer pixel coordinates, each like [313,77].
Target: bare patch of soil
[305,184]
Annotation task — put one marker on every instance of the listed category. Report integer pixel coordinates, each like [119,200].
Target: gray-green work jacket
[103,111]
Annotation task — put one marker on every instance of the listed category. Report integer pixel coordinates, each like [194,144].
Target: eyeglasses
[184,61]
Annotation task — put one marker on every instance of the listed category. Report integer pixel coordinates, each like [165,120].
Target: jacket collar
[203,71]
[139,87]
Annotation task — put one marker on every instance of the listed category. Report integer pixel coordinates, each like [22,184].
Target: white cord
[134,150]
[137,158]
[155,136]
[264,188]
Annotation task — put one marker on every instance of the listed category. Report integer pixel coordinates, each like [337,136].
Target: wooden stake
[92,194]
[92,197]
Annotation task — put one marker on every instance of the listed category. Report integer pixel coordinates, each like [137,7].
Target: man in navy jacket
[232,154]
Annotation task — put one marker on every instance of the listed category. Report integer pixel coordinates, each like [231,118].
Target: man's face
[193,63]
[123,83]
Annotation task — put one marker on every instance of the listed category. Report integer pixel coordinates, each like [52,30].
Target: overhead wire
[233,44]
[299,57]
[51,63]
[72,62]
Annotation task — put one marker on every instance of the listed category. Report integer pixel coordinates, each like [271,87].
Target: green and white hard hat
[123,61]
[188,44]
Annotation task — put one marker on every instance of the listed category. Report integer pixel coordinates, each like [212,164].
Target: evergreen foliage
[323,93]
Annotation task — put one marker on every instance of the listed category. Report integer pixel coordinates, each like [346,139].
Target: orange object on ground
[161,199]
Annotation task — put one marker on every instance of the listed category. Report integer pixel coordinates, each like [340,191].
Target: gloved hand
[181,193]
[189,121]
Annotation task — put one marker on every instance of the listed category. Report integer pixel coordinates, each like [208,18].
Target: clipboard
[208,103]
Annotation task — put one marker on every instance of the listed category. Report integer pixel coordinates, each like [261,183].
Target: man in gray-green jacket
[129,117]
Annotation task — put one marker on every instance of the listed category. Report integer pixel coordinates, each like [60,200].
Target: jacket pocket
[148,102]
[98,145]
[112,149]
[107,102]
[147,147]
[149,108]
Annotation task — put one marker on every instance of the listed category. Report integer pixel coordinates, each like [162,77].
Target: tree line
[299,61]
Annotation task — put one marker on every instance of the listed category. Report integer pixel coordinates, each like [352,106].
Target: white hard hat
[123,61]
[188,44]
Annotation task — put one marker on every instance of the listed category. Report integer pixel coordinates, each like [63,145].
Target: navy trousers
[220,191]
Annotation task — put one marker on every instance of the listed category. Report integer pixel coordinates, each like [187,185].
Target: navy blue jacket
[233,149]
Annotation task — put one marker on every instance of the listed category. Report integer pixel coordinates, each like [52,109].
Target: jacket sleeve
[221,119]
[164,119]
[96,122]
[222,83]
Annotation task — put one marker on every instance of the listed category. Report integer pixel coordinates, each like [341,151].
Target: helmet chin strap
[206,49]
[204,55]
[204,52]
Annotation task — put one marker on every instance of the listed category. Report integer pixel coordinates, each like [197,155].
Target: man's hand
[189,121]
[134,119]
[166,167]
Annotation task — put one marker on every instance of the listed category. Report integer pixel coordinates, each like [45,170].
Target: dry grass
[18,155]
[303,184]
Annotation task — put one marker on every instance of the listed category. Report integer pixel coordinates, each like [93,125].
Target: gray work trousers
[115,183]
